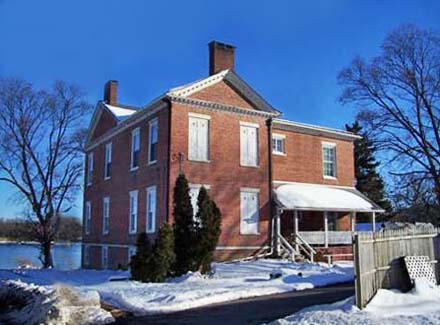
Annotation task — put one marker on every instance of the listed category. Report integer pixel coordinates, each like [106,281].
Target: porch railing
[333,237]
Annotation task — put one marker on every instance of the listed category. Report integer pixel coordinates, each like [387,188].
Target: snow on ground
[231,281]
[420,306]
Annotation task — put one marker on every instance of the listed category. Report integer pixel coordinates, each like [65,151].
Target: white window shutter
[202,139]
[243,146]
[192,141]
[252,149]
[243,213]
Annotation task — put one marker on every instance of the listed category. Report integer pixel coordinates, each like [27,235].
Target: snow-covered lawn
[230,281]
[420,306]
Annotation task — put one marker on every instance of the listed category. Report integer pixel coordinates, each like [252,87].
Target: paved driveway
[250,311]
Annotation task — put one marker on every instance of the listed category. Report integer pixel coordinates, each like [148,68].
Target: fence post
[358,282]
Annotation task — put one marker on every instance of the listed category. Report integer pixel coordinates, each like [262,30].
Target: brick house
[225,136]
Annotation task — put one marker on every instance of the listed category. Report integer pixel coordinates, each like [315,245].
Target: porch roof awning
[300,196]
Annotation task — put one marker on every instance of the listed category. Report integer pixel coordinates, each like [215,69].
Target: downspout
[273,231]
[168,162]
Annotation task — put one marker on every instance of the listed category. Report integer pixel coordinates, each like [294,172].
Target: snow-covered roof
[121,113]
[300,196]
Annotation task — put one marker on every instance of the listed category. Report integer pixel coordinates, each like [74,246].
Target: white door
[249,213]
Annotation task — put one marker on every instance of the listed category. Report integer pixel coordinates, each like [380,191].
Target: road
[250,311]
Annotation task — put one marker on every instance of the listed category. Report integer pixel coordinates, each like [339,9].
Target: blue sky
[289,51]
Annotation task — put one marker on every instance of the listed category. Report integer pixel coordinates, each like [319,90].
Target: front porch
[311,218]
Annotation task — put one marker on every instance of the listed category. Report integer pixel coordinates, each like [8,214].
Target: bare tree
[397,94]
[41,152]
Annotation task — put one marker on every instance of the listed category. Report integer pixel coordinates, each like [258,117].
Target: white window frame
[131,251]
[132,225]
[105,215]
[89,175]
[153,123]
[196,187]
[135,134]
[250,191]
[108,160]
[245,159]
[88,217]
[86,258]
[329,145]
[197,157]
[151,193]
[282,138]
[104,257]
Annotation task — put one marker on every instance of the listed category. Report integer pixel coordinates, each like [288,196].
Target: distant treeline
[69,229]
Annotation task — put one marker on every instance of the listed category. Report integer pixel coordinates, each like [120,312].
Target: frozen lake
[66,256]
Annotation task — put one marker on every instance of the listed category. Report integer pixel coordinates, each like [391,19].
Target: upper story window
[279,144]
[329,159]
[153,139]
[135,148]
[198,137]
[151,209]
[249,144]
[132,224]
[106,216]
[108,161]
[89,176]
[88,217]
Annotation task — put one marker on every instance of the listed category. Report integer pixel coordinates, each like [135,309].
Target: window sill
[199,161]
[105,233]
[131,233]
[150,163]
[107,178]
[89,184]
[132,169]
[276,153]
[254,234]
[150,232]
[250,166]
[330,178]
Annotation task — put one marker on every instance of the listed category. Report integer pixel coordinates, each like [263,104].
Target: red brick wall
[105,123]
[303,160]
[222,93]
[223,173]
[123,180]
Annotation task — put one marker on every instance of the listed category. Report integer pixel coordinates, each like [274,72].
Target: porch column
[276,230]
[373,217]
[295,226]
[325,229]
[353,221]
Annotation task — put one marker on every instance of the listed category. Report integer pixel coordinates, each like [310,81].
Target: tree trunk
[46,253]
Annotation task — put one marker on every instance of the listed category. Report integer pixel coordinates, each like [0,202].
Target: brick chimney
[111,92]
[221,57]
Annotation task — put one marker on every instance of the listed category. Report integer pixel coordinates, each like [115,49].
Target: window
[194,190]
[104,257]
[89,175]
[329,160]
[278,144]
[108,161]
[86,251]
[88,218]
[151,209]
[332,220]
[106,215]
[249,212]
[130,253]
[248,144]
[133,212]
[198,137]
[152,145]
[135,148]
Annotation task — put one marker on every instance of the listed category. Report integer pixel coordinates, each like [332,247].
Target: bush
[140,262]
[163,256]
[209,231]
[185,235]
